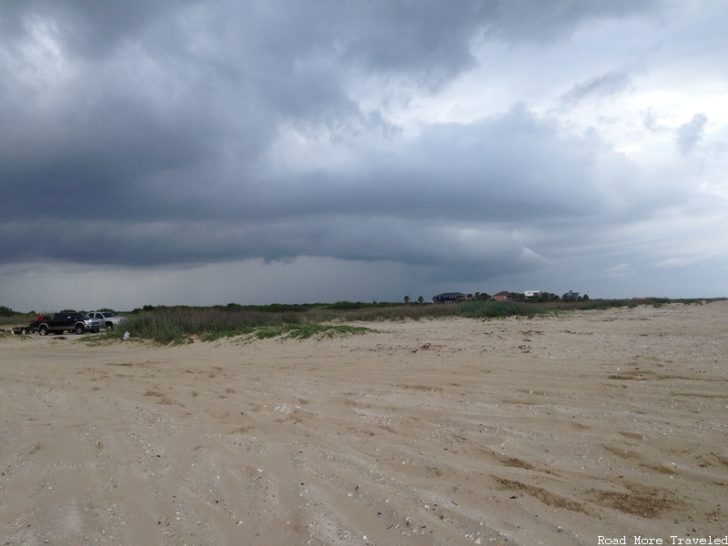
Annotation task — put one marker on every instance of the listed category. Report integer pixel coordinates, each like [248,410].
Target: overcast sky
[200,152]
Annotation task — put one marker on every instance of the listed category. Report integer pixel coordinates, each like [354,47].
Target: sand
[553,430]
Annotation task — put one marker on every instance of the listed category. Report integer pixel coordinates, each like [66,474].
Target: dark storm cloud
[435,246]
[78,167]
[540,21]
[451,196]
[86,27]
[474,172]
[137,133]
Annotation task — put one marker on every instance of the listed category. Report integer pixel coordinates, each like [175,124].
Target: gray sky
[220,151]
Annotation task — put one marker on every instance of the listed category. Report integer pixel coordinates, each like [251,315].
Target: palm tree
[406,299]
[420,300]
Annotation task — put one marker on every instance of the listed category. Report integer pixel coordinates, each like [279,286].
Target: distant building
[571,296]
[502,296]
[449,297]
[532,293]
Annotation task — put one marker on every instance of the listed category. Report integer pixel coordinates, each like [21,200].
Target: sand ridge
[551,430]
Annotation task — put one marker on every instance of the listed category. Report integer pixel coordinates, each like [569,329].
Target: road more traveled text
[674,539]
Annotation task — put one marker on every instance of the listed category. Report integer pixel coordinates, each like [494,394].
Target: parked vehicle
[107,319]
[32,327]
[67,321]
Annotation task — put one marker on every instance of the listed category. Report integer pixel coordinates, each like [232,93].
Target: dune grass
[15,319]
[496,309]
[179,326]
[175,325]
[182,326]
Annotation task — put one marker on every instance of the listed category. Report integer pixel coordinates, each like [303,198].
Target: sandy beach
[552,430]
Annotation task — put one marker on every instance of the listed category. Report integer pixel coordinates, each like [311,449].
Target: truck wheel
[43,330]
[79,329]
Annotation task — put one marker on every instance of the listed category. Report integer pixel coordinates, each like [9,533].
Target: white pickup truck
[108,319]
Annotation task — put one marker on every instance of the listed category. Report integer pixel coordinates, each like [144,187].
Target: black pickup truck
[61,322]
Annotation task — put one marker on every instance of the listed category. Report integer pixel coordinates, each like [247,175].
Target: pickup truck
[108,319]
[61,322]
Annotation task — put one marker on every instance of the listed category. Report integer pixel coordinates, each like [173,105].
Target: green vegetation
[10,317]
[182,324]
[494,309]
